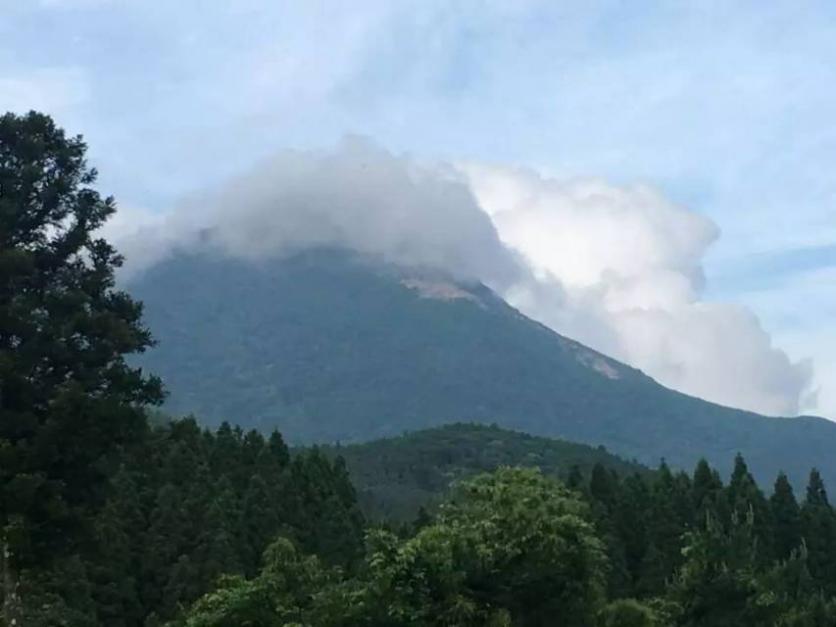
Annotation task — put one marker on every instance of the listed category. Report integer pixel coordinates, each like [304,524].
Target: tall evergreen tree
[818,527]
[786,518]
[68,398]
[745,498]
[630,520]
[708,494]
[665,531]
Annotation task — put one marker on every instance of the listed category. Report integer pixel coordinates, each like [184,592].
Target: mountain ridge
[326,345]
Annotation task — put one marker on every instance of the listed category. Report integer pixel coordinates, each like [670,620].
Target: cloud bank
[629,263]
[617,268]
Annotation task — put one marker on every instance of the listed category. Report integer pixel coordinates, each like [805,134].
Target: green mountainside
[327,346]
[394,477]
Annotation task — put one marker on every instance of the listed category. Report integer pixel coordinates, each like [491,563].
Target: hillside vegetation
[396,477]
[327,346]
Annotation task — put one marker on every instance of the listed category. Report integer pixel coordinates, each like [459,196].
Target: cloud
[358,196]
[617,268]
[629,263]
[799,312]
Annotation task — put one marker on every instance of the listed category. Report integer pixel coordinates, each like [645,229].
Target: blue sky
[726,107]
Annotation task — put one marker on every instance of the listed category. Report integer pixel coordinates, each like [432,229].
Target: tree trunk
[11,600]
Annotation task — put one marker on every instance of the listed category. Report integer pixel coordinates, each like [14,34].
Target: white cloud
[617,268]
[358,196]
[629,262]
[799,312]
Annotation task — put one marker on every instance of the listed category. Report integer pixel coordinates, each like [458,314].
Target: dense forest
[109,516]
[396,477]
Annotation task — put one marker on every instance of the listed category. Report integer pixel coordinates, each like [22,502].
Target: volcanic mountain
[327,346]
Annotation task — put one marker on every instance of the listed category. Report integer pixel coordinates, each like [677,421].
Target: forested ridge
[110,516]
[395,477]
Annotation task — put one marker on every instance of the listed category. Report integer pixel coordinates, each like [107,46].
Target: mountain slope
[395,476]
[328,346]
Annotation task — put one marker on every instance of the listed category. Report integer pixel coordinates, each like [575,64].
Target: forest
[113,515]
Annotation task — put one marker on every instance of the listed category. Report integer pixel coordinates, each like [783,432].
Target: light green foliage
[628,613]
[511,548]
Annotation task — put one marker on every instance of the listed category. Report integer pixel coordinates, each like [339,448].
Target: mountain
[395,476]
[330,346]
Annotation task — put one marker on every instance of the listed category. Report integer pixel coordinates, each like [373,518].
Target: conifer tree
[708,494]
[666,529]
[631,520]
[786,518]
[64,332]
[745,498]
[818,527]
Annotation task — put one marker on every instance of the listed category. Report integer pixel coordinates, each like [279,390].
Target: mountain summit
[329,346]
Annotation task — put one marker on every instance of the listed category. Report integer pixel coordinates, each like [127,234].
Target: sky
[662,172]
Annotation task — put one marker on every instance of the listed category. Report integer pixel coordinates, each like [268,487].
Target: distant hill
[395,476]
[326,346]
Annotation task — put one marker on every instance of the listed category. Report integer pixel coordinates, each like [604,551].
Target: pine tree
[786,518]
[218,547]
[64,332]
[631,518]
[260,523]
[708,494]
[818,527]
[666,529]
[165,541]
[575,479]
[603,486]
[603,490]
[716,585]
[115,563]
[744,497]
[226,449]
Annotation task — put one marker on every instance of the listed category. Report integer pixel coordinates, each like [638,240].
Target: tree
[519,541]
[667,524]
[786,518]
[716,584]
[708,493]
[627,613]
[744,497]
[68,399]
[818,527]
[631,517]
[511,548]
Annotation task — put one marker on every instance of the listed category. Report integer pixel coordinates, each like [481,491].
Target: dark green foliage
[643,519]
[512,548]
[515,549]
[717,580]
[818,528]
[328,346]
[396,476]
[747,501]
[68,399]
[709,496]
[175,523]
[786,518]
[627,613]
[213,502]
[670,517]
